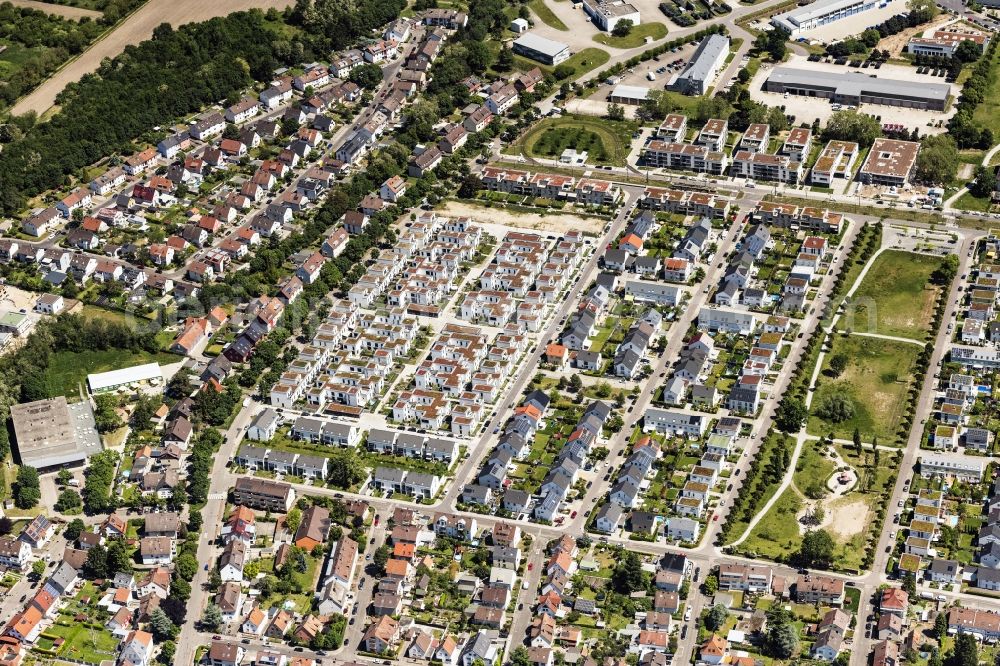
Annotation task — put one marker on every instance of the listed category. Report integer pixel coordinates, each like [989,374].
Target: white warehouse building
[607,13]
[546,51]
[819,13]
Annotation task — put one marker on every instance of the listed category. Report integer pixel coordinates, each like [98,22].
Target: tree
[26,489]
[119,557]
[946,271]
[967,51]
[856,438]
[505,60]
[74,529]
[853,126]
[381,557]
[941,626]
[160,626]
[212,619]
[470,185]
[790,415]
[64,476]
[772,42]
[38,568]
[69,500]
[838,363]
[97,562]
[985,181]
[782,639]
[816,549]
[293,518]
[836,408]
[628,576]
[937,161]
[616,112]
[716,617]
[186,566]
[711,584]
[167,650]
[622,28]
[520,657]
[367,76]
[965,652]
[922,11]
[909,584]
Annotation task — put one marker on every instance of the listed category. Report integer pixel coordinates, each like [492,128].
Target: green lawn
[67,371]
[777,534]
[547,16]
[895,297]
[876,381]
[611,139]
[970,202]
[636,37]
[577,65]
[91,643]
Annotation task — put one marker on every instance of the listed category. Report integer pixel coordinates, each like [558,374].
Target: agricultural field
[895,297]
[875,383]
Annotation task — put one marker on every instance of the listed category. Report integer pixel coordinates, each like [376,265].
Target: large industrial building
[852,88]
[821,12]
[113,379]
[543,50]
[52,433]
[698,76]
[607,13]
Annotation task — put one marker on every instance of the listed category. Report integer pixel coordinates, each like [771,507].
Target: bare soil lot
[65,11]
[136,28]
[554,222]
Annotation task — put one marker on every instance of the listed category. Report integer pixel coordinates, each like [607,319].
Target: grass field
[987,114]
[895,296]
[68,370]
[636,37]
[555,140]
[876,381]
[778,534]
[613,137]
[546,15]
[92,645]
[970,202]
[581,62]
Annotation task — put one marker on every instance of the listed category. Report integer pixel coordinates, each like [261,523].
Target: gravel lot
[135,29]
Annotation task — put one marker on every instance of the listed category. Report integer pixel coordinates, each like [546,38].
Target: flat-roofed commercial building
[607,13]
[890,162]
[634,95]
[109,381]
[547,51]
[53,433]
[945,42]
[698,76]
[853,88]
[820,13]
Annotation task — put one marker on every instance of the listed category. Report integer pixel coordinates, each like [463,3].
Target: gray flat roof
[705,57]
[853,83]
[52,432]
[540,44]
